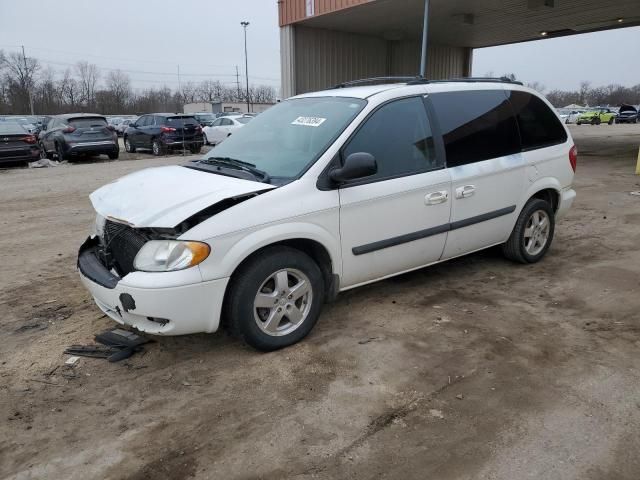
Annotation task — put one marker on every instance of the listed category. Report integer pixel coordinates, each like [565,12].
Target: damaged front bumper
[169,303]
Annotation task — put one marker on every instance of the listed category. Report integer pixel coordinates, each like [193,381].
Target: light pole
[246,62]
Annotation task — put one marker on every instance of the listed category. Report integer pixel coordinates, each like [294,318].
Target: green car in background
[597,116]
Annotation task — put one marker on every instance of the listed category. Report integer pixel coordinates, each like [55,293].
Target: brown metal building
[325,42]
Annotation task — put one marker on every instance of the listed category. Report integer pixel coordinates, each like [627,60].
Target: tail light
[69,130]
[573,157]
[167,129]
[31,139]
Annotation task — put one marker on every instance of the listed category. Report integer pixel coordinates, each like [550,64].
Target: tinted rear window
[181,121]
[11,129]
[539,126]
[88,122]
[476,125]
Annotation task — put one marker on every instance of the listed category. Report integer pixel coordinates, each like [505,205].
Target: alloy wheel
[283,302]
[536,233]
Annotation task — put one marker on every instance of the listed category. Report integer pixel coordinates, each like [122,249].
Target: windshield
[287,138]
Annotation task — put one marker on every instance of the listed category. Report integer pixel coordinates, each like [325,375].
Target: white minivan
[325,192]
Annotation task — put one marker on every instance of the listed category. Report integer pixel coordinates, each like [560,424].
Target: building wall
[315,59]
[292,11]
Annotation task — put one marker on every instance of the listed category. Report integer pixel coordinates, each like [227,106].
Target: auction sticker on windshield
[309,121]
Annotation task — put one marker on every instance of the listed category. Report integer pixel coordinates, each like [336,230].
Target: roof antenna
[425,32]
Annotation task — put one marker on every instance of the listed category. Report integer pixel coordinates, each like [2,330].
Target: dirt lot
[474,369]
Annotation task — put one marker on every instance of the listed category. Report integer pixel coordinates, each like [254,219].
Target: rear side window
[399,136]
[88,122]
[539,126]
[476,125]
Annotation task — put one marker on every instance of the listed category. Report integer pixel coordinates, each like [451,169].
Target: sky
[149,39]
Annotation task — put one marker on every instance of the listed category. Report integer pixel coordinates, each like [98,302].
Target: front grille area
[121,244]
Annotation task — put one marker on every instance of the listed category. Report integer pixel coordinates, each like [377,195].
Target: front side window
[539,126]
[287,138]
[476,125]
[399,137]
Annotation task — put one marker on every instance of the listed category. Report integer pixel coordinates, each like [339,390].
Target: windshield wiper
[240,165]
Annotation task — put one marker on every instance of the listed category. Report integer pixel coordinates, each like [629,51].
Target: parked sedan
[224,127]
[628,114]
[597,116]
[569,116]
[17,144]
[77,134]
[162,132]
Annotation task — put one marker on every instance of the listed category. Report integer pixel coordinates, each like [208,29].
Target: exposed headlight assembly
[170,255]
[97,228]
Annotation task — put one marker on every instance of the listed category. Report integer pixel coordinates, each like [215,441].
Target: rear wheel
[195,149]
[611,120]
[60,152]
[128,146]
[275,298]
[157,147]
[532,234]
[596,121]
[114,155]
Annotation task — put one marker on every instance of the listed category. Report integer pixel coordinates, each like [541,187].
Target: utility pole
[246,62]
[425,32]
[28,83]
[237,83]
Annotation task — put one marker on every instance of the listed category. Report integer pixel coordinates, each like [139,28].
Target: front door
[487,167]
[397,219]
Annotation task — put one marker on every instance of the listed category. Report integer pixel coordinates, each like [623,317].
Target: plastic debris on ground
[114,345]
[45,162]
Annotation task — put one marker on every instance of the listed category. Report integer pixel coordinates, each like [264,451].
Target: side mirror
[356,165]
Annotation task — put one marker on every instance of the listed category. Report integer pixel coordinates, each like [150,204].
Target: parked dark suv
[162,132]
[77,134]
[628,114]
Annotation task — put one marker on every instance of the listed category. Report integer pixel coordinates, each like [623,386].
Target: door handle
[436,198]
[466,191]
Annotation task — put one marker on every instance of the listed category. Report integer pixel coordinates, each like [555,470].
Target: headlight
[170,255]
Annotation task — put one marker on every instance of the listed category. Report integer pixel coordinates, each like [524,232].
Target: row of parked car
[25,139]
[598,115]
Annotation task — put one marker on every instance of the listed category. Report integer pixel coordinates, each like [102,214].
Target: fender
[251,242]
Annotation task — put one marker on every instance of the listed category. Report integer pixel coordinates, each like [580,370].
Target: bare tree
[69,90]
[88,77]
[539,87]
[20,75]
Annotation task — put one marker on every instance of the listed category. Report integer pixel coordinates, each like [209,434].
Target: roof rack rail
[362,81]
[468,80]
[417,80]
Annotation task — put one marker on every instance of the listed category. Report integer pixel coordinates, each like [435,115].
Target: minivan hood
[163,197]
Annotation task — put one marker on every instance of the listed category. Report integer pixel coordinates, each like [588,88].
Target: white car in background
[122,126]
[224,127]
[568,115]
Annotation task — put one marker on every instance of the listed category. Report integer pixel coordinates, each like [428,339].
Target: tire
[523,248]
[43,152]
[265,274]
[114,155]
[60,152]
[204,137]
[157,147]
[195,149]
[610,122]
[578,123]
[128,146]
[596,121]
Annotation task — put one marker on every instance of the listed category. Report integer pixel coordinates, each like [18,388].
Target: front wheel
[275,298]
[205,139]
[533,233]
[128,146]
[60,152]
[611,121]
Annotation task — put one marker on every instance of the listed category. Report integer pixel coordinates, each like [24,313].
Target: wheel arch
[308,238]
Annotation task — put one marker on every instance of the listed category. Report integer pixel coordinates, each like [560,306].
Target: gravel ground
[474,369]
